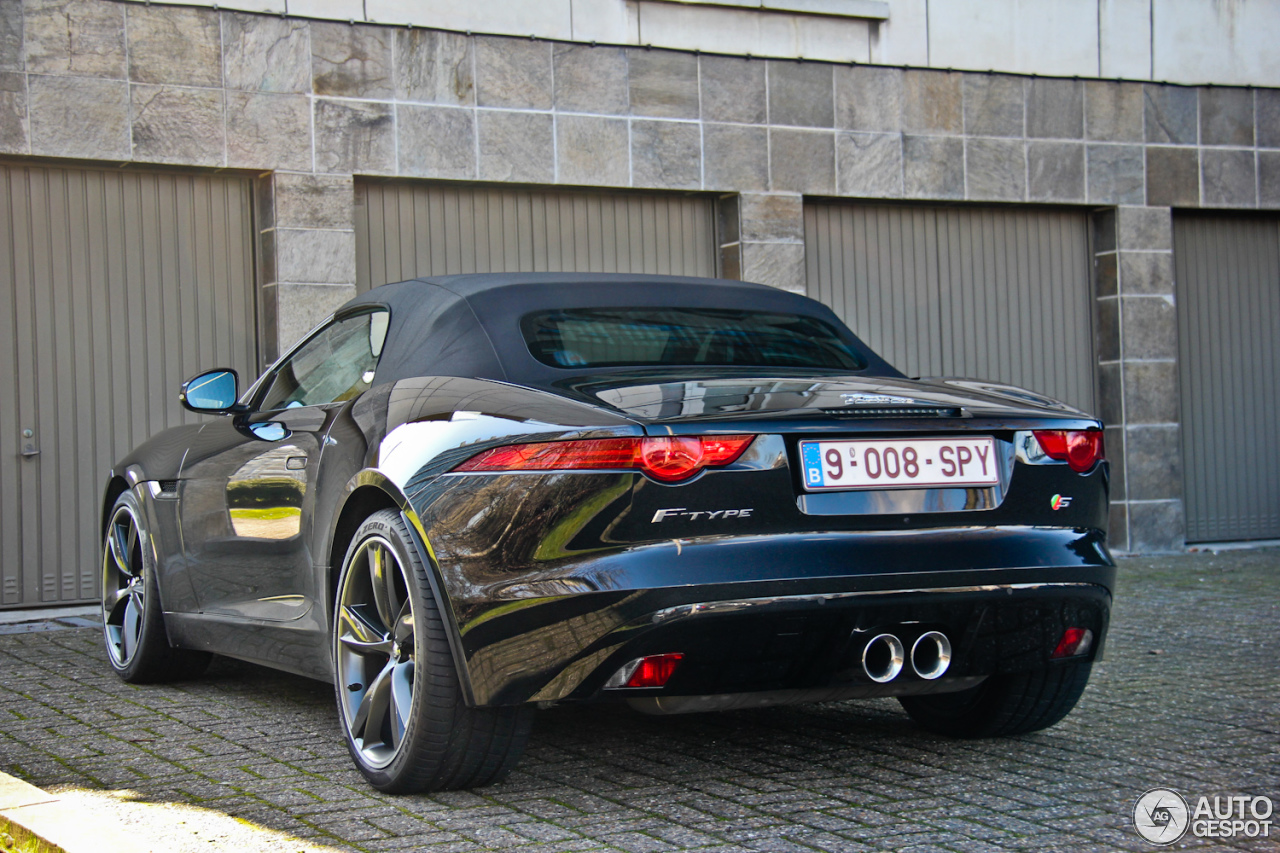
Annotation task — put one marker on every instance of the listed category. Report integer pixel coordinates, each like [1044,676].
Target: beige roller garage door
[404,230]
[114,287]
[1228,274]
[990,293]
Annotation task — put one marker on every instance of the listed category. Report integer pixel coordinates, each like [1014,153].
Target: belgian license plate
[899,463]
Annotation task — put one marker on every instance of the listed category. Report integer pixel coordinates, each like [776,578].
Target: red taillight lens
[666,458]
[553,455]
[654,671]
[670,458]
[1075,641]
[1080,449]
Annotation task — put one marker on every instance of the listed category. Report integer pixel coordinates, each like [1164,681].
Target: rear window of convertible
[611,337]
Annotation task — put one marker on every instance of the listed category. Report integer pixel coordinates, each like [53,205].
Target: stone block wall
[307,105]
[1136,332]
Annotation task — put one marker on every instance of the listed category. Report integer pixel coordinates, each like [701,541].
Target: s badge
[1059,502]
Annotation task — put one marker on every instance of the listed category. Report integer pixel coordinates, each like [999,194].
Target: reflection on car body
[463,497]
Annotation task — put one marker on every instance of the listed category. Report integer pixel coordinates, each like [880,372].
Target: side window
[335,365]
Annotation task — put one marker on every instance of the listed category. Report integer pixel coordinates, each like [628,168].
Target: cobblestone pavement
[1186,698]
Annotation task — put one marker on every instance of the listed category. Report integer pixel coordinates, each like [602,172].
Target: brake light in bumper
[651,671]
[1074,642]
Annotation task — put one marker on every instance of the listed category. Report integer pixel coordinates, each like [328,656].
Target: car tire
[132,614]
[1003,704]
[399,698]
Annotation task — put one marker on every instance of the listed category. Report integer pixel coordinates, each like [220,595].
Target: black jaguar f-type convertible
[462,498]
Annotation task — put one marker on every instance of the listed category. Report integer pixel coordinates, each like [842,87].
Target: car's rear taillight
[666,458]
[671,458]
[1080,449]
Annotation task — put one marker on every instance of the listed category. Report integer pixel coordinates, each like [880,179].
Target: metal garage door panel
[404,230]
[1227,270]
[990,293]
[117,286]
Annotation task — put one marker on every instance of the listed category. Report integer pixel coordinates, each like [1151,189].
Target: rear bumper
[786,613]
[815,643]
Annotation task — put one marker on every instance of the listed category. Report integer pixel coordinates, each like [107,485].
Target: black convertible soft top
[469,325]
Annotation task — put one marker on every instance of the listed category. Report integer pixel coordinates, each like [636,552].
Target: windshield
[612,337]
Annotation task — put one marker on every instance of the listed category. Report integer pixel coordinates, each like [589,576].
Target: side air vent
[896,412]
[169,488]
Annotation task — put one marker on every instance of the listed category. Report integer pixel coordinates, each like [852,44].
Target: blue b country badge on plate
[811,458]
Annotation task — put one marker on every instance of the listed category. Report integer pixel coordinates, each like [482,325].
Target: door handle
[296,463]
[30,450]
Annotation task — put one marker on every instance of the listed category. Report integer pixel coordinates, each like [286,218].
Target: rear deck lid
[674,404]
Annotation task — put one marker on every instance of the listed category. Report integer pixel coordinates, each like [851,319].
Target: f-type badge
[709,515]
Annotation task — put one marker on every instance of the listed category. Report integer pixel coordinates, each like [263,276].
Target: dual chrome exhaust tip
[884,656]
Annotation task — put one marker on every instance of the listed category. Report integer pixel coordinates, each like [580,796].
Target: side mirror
[212,393]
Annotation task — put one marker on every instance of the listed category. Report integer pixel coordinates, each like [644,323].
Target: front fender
[160,511]
[159,457]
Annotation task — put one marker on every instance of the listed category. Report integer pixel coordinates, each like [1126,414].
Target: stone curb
[78,616]
[62,827]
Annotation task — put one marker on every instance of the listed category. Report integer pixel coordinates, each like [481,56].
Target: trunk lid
[673,405]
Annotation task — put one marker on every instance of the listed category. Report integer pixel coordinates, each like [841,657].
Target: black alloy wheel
[132,616]
[406,724]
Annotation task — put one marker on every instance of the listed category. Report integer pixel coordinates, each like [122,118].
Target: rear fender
[369,478]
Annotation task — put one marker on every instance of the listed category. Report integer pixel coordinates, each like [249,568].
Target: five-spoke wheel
[124,588]
[132,618]
[375,652]
[407,725]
